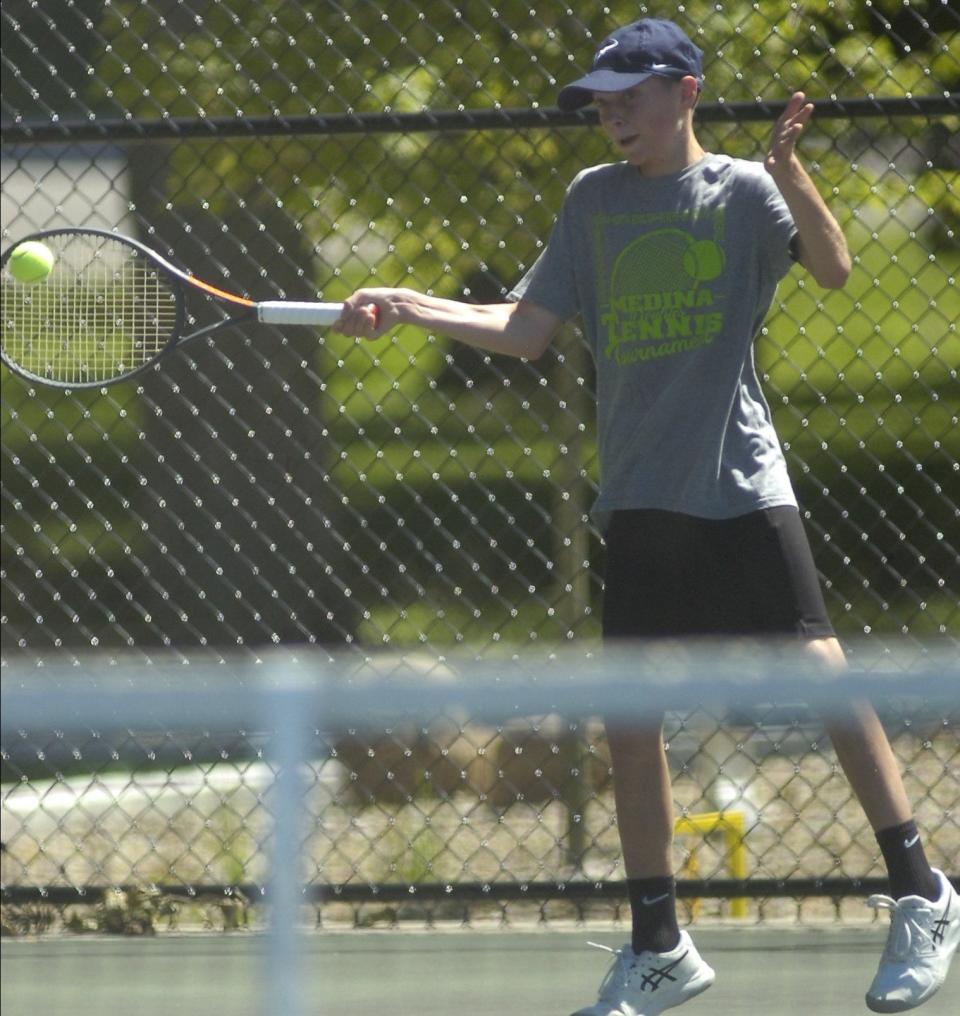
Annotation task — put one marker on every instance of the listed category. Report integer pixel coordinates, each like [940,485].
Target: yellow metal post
[733,825]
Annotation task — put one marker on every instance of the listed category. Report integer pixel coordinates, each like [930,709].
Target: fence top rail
[93,128]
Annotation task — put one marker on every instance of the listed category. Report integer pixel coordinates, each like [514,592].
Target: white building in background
[50,186]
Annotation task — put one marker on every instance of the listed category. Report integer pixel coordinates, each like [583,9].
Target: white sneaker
[649,983]
[922,940]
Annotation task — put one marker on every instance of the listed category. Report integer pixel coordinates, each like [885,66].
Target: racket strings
[104,311]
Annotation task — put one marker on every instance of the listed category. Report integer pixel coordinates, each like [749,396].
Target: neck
[677,158]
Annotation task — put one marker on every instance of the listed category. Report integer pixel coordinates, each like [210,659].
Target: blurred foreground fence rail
[167,831]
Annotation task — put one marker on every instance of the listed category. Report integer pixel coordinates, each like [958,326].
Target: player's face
[644,121]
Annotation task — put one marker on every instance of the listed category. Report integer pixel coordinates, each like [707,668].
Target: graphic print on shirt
[665,296]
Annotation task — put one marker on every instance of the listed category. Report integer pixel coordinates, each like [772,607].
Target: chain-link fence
[289,486]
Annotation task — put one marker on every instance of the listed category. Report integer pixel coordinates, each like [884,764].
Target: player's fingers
[803,114]
[372,310]
[790,110]
[797,110]
[789,129]
[349,321]
[361,317]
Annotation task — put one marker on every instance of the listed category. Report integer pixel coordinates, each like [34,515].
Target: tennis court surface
[502,973]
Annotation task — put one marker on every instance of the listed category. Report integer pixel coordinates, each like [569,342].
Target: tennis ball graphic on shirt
[663,301]
[703,260]
[31,262]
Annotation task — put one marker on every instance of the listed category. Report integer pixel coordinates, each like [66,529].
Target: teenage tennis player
[670,258]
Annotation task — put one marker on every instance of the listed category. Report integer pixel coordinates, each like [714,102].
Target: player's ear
[689,91]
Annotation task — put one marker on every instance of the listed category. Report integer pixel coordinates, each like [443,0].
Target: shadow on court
[782,972]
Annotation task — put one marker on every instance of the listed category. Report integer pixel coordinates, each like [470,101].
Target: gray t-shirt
[672,277]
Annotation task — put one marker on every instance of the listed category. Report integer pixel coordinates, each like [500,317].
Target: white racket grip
[289,312]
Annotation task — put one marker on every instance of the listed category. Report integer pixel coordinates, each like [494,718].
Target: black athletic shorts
[670,575]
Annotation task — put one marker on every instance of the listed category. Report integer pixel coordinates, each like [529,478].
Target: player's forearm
[496,328]
[823,247]
[511,329]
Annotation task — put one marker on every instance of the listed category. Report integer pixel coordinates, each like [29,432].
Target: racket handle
[289,312]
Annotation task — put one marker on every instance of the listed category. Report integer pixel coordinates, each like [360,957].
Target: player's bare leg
[643,796]
[864,751]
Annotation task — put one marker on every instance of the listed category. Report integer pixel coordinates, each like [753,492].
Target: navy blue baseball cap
[647,48]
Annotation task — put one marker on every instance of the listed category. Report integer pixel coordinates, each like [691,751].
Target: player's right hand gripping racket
[110,308]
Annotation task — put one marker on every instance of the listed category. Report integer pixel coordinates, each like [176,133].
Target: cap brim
[579,93]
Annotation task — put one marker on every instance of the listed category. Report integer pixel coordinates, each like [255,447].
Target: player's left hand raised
[788,128]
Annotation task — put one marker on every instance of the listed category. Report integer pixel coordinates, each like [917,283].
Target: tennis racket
[110,308]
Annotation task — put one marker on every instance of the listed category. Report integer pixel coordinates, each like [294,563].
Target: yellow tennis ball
[31,261]
[703,260]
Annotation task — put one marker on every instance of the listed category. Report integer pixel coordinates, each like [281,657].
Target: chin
[633,153]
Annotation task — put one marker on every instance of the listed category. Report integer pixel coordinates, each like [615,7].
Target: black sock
[907,866]
[653,905]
